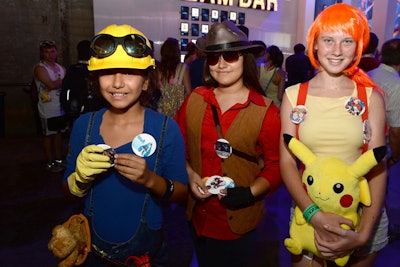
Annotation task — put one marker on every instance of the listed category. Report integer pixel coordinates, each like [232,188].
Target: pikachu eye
[310,180]
[338,188]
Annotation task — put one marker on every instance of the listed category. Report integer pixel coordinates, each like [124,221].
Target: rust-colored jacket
[242,171]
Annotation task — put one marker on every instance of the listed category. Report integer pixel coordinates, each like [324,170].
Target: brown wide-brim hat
[226,36]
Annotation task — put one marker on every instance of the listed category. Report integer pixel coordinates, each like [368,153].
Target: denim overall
[145,240]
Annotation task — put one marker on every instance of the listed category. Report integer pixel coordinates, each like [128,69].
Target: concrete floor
[31,204]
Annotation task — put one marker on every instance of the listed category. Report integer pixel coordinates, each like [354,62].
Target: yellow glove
[89,163]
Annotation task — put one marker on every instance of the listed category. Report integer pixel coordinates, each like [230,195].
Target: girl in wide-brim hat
[228,124]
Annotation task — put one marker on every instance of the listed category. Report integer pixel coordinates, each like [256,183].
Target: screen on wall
[205,14]
[204,29]
[195,29]
[366,6]
[214,15]
[184,28]
[224,15]
[195,13]
[242,18]
[396,32]
[320,5]
[184,44]
[233,16]
[184,12]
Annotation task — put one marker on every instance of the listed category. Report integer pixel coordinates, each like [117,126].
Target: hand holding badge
[216,183]
[143,145]
[108,151]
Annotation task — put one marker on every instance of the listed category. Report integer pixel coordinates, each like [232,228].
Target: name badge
[355,106]
[223,148]
[298,114]
[144,145]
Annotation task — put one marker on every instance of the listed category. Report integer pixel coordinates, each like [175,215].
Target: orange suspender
[301,100]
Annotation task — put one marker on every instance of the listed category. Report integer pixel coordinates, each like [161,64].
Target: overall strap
[89,128]
[158,158]
[301,100]
[362,94]
[161,143]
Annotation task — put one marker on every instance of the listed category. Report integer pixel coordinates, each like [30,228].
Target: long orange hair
[346,19]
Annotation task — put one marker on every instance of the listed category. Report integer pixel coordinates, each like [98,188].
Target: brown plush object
[71,241]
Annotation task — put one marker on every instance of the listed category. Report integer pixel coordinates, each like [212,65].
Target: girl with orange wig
[345,116]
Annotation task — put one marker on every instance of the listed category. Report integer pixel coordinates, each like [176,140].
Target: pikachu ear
[365,196]
[299,149]
[367,161]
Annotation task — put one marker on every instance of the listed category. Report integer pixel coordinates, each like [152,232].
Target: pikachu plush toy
[334,187]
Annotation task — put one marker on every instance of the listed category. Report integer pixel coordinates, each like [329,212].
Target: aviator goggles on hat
[104,45]
[228,56]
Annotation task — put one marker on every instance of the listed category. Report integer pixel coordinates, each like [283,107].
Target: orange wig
[343,18]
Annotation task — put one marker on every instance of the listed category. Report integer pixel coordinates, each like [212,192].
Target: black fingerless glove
[238,197]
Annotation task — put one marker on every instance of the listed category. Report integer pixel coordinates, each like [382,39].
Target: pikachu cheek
[346,201]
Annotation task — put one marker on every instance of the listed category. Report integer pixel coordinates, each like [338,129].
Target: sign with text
[269,5]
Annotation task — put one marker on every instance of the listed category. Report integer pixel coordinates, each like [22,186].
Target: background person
[336,40]
[75,96]
[191,53]
[48,75]
[370,57]
[123,203]
[196,67]
[229,112]
[298,66]
[173,78]
[387,76]
[271,75]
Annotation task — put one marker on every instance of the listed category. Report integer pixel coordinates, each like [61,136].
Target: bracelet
[310,211]
[169,190]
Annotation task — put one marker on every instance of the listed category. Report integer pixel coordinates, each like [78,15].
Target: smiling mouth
[323,199]
[118,94]
[335,61]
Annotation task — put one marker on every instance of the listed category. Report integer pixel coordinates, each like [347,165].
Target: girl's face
[227,74]
[335,51]
[122,87]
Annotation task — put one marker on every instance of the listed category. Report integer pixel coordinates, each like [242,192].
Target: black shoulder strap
[89,129]
[234,151]
[161,143]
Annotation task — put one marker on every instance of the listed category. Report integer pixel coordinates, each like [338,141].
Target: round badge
[223,148]
[144,145]
[108,151]
[367,131]
[355,106]
[215,183]
[298,114]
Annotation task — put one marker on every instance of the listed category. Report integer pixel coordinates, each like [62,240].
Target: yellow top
[329,129]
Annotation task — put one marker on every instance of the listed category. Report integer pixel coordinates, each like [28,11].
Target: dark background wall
[23,24]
